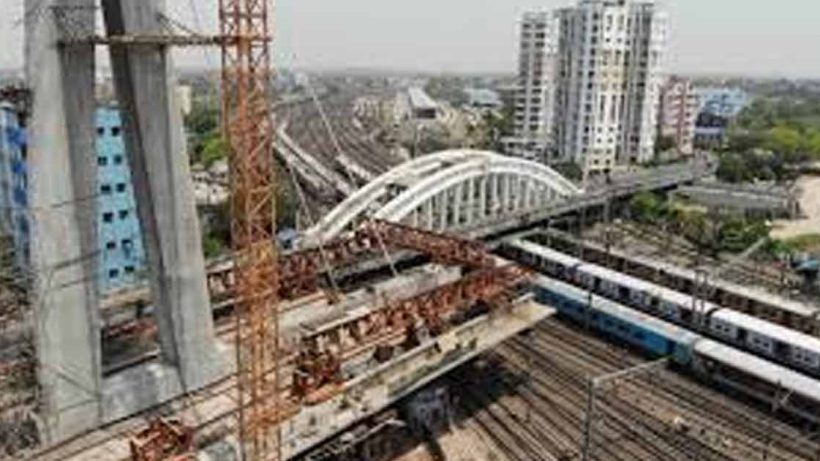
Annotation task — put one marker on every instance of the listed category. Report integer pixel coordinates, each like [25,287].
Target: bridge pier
[156,152]
[62,172]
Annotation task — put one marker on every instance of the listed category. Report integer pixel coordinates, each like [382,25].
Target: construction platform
[372,389]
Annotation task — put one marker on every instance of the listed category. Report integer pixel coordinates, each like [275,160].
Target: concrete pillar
[471,201]
[457,204]
[163,187]
[530,197]
[428,214]
[442,211]
[515,193]
[482,198]
[505,194]
[62,168]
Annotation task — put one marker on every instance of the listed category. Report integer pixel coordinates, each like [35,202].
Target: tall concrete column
[62,185]
[155,142]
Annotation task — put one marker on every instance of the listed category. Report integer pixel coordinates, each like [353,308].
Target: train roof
[546,252]
[667,294]
[612,308]
[769,329]
[760,368]
[756,294]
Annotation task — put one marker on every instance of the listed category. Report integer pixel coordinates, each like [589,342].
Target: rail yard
[267,265]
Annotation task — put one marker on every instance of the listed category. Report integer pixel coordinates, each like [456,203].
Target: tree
[215,148]
[647,207]
[784,140]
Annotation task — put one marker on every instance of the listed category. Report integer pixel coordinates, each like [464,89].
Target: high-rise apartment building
[678,113]
[534,97]
[589,83]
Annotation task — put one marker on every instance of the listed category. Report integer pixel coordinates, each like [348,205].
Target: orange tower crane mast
[248,126]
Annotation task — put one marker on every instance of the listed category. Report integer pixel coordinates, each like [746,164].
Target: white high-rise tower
[599,81]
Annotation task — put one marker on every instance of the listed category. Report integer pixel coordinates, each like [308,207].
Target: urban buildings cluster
[591,88]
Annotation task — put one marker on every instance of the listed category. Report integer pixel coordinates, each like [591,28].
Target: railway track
[529,399]
[743,272]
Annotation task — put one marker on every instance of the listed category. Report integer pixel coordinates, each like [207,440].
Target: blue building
[14,220]
[122,256]
[723,102]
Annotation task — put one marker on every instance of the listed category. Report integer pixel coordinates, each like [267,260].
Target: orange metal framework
[163,439]
[248,126]
[321,351]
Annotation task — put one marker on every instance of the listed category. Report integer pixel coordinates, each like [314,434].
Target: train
[766,339]
[790,313]
[734,370]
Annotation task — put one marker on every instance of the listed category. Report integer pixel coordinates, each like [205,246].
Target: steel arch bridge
[447,191]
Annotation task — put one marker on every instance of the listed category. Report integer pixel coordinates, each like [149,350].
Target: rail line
[530,397]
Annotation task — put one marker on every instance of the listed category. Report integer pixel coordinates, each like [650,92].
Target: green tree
[785,140]
[647,207]
[215,148]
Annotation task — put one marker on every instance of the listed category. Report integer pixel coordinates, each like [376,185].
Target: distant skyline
[725,37]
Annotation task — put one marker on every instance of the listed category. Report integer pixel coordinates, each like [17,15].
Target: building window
[118,160]
[129,269]
[108,217]
[102,161]
[113,273]
[111,245]
[121,187]
[124,214]
[100,131]
[105,189]
[115,131]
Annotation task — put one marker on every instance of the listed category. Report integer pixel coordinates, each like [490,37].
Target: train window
[640,335]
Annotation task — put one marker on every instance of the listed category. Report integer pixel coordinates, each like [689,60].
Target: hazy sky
[760,37]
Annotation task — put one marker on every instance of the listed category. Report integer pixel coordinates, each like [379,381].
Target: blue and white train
[763,338]
[728,367]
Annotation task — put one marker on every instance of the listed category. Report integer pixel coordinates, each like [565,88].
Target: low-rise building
[483,98]
[723,102]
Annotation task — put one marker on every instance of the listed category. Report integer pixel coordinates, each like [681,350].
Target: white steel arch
[447,190]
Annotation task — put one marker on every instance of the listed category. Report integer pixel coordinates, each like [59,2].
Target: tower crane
[248,127]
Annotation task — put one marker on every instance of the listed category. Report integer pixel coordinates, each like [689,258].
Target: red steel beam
[319,361]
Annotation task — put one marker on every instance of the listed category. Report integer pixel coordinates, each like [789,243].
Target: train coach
[772,341]
[794,314]
[735,370]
